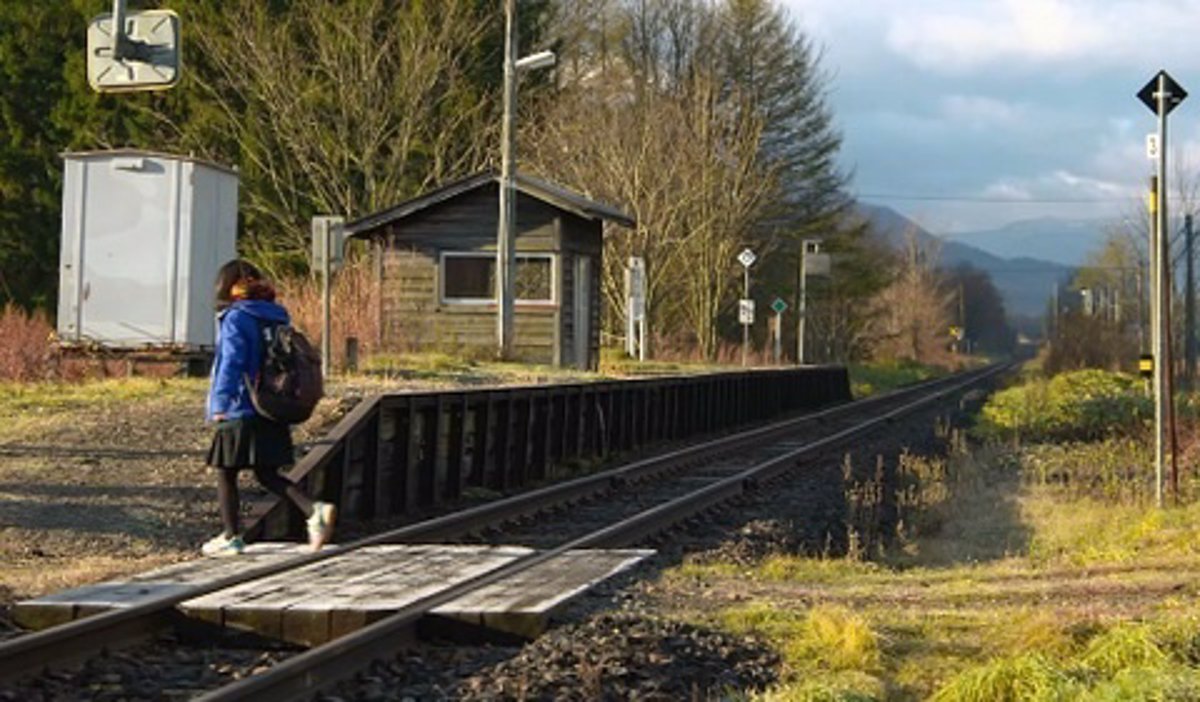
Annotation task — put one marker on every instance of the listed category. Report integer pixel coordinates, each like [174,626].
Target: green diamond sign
[779,305]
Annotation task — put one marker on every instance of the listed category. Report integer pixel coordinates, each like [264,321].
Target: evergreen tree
[35,39]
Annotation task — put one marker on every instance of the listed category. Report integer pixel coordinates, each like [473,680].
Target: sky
[970,114]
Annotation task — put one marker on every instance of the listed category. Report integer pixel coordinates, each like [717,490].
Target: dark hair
[232,273]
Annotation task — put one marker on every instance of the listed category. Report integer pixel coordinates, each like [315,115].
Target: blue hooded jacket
[239,354]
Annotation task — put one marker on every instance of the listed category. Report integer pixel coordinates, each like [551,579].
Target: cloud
[1027,31]
[982,112]
[960,36]
[975,112]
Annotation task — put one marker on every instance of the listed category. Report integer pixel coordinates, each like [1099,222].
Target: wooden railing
[399,453]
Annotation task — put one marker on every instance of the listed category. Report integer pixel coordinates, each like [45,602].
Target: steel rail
[322,666]
[120,627]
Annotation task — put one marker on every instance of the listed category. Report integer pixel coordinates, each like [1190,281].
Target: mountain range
[1053,239]
[1024,282]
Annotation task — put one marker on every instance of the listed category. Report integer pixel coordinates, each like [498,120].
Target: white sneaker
[222,545]
[320,524]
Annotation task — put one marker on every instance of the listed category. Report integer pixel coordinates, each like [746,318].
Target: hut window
[471,277]
[468,277]
[533,281]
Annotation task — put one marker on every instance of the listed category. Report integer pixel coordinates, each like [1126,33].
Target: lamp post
[505,236]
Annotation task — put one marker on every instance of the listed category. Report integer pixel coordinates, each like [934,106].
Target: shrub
[1081,405]
[1122,647]
[24,344]
[836,638]
[829,637]
[873,378]
[1116,469]
[354,306]
[1028,676]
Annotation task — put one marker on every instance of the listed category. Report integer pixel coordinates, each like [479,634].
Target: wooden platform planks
[60,607]
[328,599]
[522,605]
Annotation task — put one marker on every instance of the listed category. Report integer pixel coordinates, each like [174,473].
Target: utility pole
[746,305]
[1157,262]
[745,327]
[1053,310]
[962,321]
[505,248]
[1189,307]
[1162,94]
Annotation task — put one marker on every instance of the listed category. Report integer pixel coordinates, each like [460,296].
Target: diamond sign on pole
[779,306]
[1174,93]
[747,258]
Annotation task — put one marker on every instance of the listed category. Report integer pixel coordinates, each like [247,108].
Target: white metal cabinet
[143,235]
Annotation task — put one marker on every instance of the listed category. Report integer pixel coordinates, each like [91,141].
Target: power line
[995,200]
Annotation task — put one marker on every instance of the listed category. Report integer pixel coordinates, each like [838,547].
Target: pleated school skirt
[251,442]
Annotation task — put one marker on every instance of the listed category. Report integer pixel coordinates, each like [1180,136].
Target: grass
[53,397]
[28,409]
[1015,589]
[874,378]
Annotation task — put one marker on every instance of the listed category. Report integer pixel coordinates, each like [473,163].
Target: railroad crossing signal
[1174,93]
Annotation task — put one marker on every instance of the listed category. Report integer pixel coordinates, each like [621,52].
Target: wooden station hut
[435,259]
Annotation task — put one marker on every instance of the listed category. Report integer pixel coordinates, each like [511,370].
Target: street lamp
[542,59]
[505,236]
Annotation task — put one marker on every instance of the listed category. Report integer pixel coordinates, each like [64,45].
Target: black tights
[276,484]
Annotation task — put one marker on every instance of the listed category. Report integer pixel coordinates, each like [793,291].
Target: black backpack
[289,383]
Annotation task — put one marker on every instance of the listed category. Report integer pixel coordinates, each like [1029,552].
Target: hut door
[582,314]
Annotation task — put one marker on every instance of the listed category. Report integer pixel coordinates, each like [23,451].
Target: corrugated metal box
[143,235]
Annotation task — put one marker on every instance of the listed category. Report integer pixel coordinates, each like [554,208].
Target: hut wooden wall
[412,314]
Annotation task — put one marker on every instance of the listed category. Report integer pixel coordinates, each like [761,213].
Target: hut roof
[551,193]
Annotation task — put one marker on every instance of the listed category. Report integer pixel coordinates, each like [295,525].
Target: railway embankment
[1005,548]
[1028,560]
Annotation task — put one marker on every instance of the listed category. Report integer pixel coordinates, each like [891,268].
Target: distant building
[435,261]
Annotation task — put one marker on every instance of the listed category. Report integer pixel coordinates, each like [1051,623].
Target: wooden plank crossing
[61,607]
[328,599]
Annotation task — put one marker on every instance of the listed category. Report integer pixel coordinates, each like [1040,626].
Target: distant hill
[1064,241]
[1025,283]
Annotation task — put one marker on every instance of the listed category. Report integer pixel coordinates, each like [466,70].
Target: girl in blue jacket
[245,304]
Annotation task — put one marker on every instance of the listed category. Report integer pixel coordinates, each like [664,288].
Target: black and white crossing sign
[1174,93]
[747,258]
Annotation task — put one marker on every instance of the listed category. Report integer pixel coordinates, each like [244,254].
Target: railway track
[609,509]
